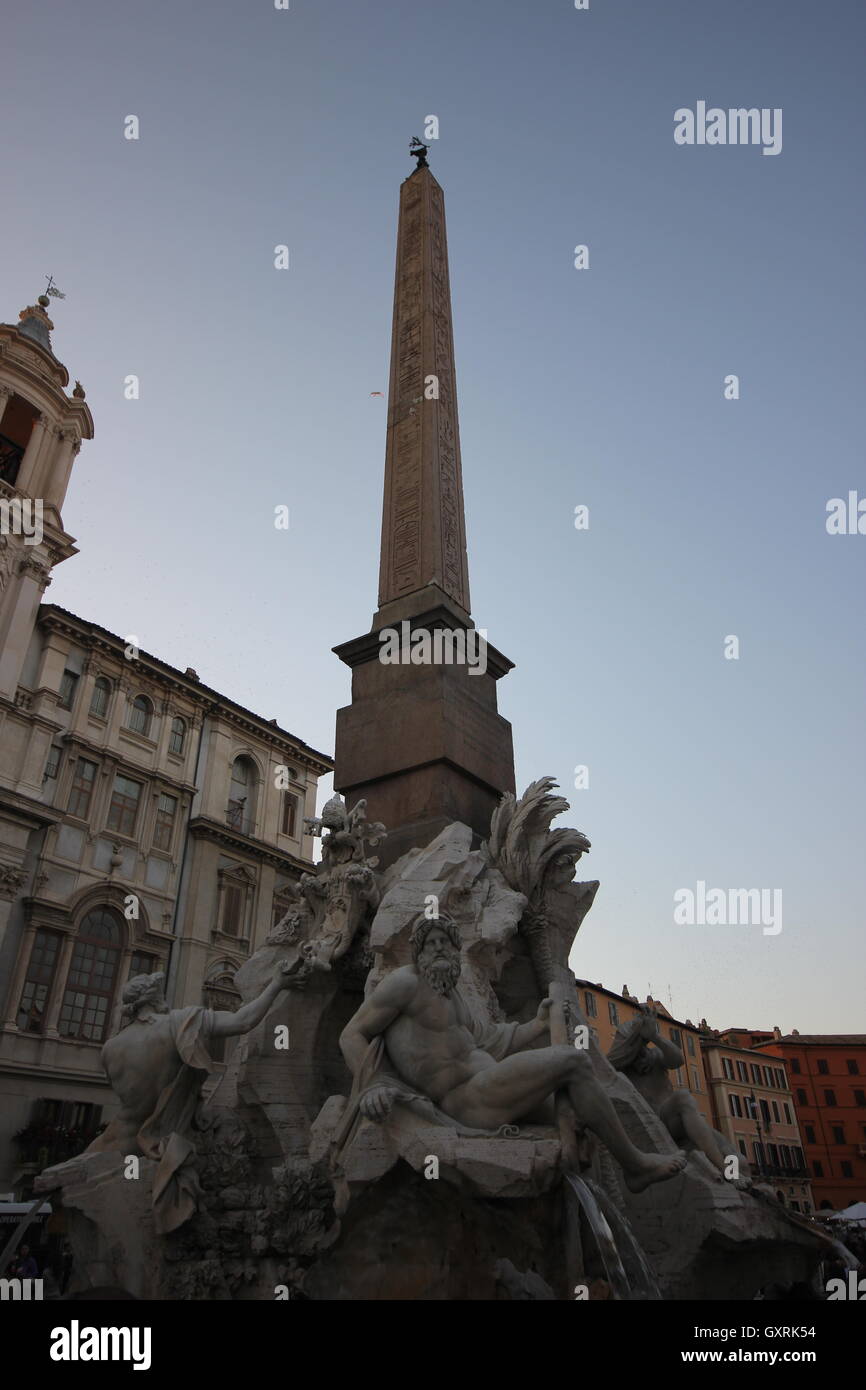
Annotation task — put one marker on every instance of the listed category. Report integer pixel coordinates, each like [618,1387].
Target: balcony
[775,1170]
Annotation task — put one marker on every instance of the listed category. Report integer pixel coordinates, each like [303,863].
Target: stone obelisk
[422,742]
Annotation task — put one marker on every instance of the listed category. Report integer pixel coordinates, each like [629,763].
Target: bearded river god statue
[157,1064]
[417,1023]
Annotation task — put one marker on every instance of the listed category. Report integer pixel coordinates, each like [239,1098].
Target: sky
[601,387]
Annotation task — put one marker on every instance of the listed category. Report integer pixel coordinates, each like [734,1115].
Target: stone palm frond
[521,843]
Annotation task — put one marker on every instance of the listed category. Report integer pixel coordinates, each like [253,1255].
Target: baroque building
[754,1106]
[147,822]
[828,1081]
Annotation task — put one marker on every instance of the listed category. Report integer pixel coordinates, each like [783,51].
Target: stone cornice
[202,827]
[25,808]
[100,753]
[367,647]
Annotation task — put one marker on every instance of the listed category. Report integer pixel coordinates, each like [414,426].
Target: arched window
[99,698]
[177,738]
[90,985]
[241,811]
[140,715]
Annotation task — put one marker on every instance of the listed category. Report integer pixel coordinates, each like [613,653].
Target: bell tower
[41,429]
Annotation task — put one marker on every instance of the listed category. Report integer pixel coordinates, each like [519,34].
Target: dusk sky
[601,387]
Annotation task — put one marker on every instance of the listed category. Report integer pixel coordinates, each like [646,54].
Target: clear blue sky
[601,387]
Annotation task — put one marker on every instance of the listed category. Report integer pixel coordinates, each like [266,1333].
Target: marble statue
[157,1063]
[327,907]
[642,1054]
[483,1075]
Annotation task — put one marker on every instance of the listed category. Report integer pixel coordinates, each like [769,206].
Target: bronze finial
[419,152]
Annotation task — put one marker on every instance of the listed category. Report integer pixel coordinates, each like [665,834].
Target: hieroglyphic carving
[420,546]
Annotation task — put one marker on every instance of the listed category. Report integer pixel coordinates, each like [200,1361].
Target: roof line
[49,608]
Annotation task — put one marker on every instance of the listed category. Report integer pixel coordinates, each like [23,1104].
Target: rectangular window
[696,1080]
[690,1044]
[774,1155]
[801,1096]
[734,1105]
[742,1071]
[68,683]
[860,1097]
[776,1116]
[818,1169]
[612,1011]
[780,1078]
[799,1160]
[795,1065]
[727,1068]
[52,762]
[810,1134]
[164,827]
[83,780]
[823,1069]
[589,1001]
[37,985]
[829,1097]
[838,1134]
[123,811]
[847,1171]
[290,814]
[741,1145]
[232,906]
[765,1111]
[676,1037]
[99,698]
[768,1077]
[787,1112]
[759,1154]
[141,964]
[851,1064]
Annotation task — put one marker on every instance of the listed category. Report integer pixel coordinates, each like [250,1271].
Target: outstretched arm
[673,1058]
[530,1032]
[388,1000]
[228,1025]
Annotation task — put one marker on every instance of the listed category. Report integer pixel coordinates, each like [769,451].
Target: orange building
[754,1107]
[605,1011]
[828,1078]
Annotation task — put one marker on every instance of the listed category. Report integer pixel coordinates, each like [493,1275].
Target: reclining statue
[642,1054]
[483,1076]
[157,1064]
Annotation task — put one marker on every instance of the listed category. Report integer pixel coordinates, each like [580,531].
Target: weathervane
[419,152]
[52,288]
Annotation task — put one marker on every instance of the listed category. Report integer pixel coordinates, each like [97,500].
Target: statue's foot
[654,1168]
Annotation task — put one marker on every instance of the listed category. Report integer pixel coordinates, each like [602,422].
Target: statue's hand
[543,1014]
[376,1104]
[292,974]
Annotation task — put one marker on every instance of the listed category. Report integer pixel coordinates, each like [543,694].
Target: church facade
[147,822]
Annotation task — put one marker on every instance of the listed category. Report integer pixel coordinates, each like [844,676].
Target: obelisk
[423,742]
